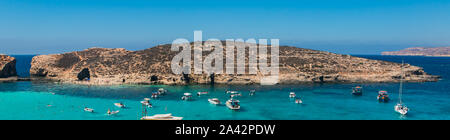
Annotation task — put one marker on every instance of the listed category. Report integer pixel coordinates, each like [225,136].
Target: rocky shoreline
[104,66]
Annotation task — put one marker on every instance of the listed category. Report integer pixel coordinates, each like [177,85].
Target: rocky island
[7,68]
[103,66]
[422,51]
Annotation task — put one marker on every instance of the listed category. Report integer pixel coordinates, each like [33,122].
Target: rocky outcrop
[7,66]
[421,51]
[152,66]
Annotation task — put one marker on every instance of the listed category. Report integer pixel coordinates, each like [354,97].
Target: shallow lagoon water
[48,101]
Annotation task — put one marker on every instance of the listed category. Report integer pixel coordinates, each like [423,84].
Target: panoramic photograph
[222,60]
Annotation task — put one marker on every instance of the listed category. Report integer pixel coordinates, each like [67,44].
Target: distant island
[422,51]
[102,66]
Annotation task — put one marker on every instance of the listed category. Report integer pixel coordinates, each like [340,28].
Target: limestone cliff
[152,66]
[7,66]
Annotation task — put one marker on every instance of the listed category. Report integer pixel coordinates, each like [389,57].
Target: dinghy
[358,90]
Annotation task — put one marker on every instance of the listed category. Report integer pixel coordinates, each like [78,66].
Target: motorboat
[292,95]
[298,101]
[235,95]
[161,117]
[112,112]
[155,95]
[383,96]
[146,103]
[120,105]
[162,91]
[252,92]
[233,104]
[232,92]
[89,110]
[358,90]
[201,93]
[214,101]
[187,96]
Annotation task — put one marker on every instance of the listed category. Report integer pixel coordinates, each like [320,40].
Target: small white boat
[112,112]
[202,93]
[146,103]
[232,92]
[89,110]
[214,101]
[402,109]
[161,117]
[298,101]
[155,95]
[162,91]
[292,95]
[147,99]
[252,92]
[187,96]
[235,95]
[233,104]
[120,105]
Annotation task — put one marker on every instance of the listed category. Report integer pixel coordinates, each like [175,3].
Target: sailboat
[400,107]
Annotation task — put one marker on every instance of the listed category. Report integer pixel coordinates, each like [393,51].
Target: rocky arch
[84,74]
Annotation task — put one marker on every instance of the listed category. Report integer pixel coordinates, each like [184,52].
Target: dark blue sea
[41,100]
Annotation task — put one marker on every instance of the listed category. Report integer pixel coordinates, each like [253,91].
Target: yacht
[252,92]
[161,117]
[400,107]
[162,91]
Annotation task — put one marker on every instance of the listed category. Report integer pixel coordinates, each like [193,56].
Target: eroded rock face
[152,66]
[7,66]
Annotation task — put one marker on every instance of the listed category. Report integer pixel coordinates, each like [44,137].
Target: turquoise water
[31,100]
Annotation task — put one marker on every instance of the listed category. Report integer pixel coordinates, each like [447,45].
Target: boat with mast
[400,107]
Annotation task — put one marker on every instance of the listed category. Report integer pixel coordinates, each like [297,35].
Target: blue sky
[341,26]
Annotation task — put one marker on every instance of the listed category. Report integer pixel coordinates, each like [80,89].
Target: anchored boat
[252,92]
[161,117]
[109,112]
[214,101]
[187,96]
[233,104]
[400,107]
[201,93]
[357,90]
[120,105]
[292,95]
[162,91]
[155,95]
[86,109]
[298,101]
[383,96]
